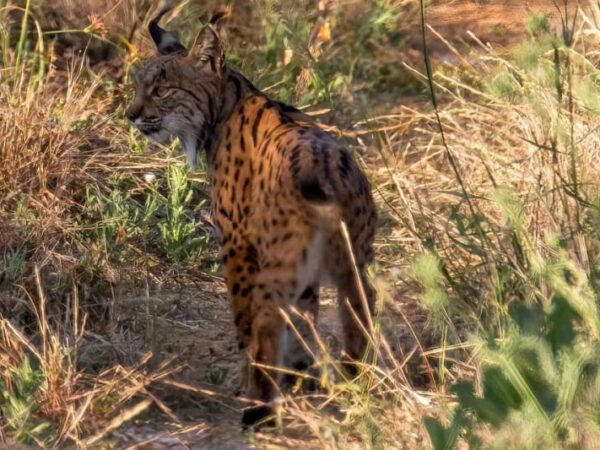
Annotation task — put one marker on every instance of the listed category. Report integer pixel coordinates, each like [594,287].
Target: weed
[12,266]
[537,24]
[216,375]
[179,232]
[19,404]
[540,378]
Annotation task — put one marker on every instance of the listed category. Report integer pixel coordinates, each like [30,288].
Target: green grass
[19,405]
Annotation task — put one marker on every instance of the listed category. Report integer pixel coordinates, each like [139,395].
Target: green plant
[18,404]
[216,375]
[539,382]
[12,265]
[179,232]
[537,23]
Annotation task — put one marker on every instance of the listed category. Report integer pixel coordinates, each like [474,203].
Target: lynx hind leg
[299,339]
[351,308]
[273,291]
[264,353]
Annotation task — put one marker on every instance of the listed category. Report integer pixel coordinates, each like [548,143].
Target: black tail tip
[313,192]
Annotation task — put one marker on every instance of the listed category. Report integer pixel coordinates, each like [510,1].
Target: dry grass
[42,383]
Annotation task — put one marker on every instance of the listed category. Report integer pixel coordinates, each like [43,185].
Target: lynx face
[177,92]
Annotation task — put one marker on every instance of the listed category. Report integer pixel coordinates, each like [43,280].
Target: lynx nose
[133,113]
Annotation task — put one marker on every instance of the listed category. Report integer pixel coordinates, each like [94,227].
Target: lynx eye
[160,92]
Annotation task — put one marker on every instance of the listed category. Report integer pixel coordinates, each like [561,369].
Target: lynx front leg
[264,352]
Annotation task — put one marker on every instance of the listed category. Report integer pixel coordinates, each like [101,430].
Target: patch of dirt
[192,326]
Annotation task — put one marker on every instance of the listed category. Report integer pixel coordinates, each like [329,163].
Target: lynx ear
[208,48]
[165,42]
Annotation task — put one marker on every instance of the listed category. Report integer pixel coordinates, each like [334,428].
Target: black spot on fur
[246,291]
[224,213]
[256,124]
[238,319]
[345,163]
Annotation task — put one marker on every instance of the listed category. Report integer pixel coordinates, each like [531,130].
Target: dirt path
[193,326]
[499,23]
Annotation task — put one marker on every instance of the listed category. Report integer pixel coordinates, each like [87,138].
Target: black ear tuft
[165,42]
[217,17]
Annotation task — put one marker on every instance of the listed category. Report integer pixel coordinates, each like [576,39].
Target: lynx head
[178,92]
